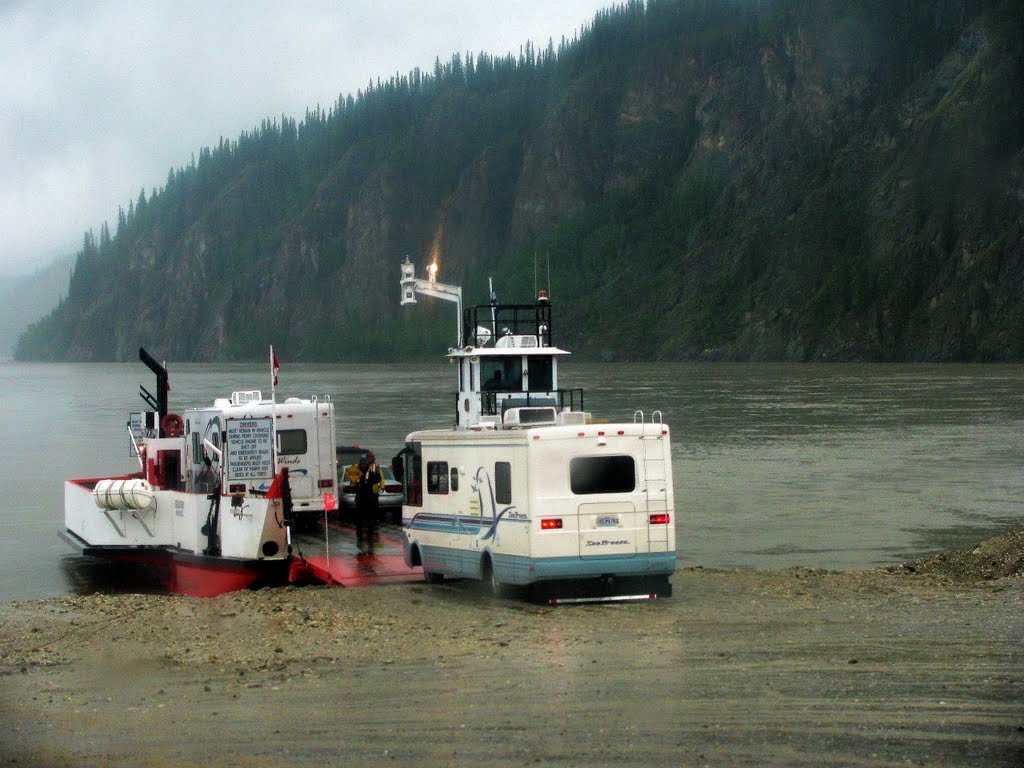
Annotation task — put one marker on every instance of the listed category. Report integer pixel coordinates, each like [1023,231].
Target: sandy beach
[919,664]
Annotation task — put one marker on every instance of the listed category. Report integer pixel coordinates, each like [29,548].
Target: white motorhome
[305,435]
[526,489]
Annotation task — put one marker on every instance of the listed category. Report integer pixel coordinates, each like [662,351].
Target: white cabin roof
[507,352]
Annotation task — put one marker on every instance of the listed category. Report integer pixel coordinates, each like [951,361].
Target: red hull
[198,575]
[184,573]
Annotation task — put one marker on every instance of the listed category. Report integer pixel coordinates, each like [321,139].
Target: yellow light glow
[435,255]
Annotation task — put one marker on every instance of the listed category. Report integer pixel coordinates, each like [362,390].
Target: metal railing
[508,319]
[495,403]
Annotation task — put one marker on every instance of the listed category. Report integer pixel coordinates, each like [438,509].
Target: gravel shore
[918,664]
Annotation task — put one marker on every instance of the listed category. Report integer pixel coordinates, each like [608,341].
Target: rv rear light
[660,519]
[325,484]
[236,488]
[393,488]
[550,523]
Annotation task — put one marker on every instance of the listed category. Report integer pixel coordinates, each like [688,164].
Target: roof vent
[573,417]
[529,417]
[517,340]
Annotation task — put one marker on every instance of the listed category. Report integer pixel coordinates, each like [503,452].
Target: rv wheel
[497,588]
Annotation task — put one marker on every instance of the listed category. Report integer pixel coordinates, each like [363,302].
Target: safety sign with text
[250,449]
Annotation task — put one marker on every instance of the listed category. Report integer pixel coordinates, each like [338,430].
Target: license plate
[607,521]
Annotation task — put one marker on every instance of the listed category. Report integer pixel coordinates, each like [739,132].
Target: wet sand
[921,664]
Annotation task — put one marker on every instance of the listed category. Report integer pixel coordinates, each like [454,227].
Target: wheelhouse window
[541,374]
[502,482]
[502,374]
[437,477]
[291,442]
[602,474]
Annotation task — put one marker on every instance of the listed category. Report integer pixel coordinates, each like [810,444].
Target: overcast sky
[98,100]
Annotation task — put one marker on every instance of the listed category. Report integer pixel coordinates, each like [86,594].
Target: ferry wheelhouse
[526,488]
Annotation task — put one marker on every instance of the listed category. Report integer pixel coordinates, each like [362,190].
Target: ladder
[655,479]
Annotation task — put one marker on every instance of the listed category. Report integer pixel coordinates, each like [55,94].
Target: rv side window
[602,474]
[454,478]
[437,477]
[291,441]
[503,482]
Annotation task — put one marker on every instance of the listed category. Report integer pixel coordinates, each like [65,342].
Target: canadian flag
[275,366]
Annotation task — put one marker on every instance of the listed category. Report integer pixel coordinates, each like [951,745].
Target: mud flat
[919,664]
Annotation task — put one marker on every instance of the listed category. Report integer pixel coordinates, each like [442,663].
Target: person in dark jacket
[368,487]
[493,383]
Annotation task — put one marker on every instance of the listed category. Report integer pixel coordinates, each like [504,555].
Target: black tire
[433,578]
[491,583]
[498,589]
[663,588]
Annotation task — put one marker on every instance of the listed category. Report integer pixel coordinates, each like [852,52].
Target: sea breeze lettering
[607,542]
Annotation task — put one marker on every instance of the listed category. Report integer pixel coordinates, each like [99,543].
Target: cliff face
[801,181]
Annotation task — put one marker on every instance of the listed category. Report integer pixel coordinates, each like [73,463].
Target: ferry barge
[217,493]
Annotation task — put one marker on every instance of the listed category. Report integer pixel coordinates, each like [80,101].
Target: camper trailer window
[503,482]
[602,474]
[291,441]
[454,479]
[437,477]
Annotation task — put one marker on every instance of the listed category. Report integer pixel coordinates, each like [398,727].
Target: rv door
[203,427]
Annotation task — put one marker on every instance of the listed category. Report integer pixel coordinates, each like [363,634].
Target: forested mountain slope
[787,180]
